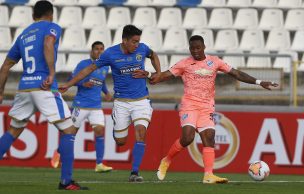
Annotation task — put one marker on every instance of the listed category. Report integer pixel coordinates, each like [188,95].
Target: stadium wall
[242,137]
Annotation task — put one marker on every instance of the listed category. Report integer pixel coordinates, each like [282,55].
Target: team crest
[53,31]
[184,116]
[209,63]
[138,57]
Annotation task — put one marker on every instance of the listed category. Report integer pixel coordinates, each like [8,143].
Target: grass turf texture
[44,181]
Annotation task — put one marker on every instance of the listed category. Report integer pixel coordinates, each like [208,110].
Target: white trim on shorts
[201,129]
[189,125]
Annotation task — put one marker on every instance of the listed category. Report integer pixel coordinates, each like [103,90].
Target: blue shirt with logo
[122,66]
[29,47]
[90,97]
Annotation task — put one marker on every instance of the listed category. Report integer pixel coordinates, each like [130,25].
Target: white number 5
[31,59]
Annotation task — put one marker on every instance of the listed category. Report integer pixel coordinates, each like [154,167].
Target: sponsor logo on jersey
[138,57]
[53,31]
[227,142]
[129,69]
[96,81]
[209,63]
[31,78]
[119,60]
[203,72]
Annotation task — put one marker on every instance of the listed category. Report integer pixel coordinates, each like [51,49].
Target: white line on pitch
[156,182]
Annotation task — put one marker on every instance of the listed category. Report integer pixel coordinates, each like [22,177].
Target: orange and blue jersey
[199,81]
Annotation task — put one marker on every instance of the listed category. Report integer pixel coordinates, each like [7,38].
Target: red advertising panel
[241,138]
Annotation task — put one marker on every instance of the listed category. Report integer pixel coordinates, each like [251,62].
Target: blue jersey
[122,66]
[29,47]
[90,97]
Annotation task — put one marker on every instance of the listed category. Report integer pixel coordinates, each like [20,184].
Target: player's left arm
[4,71]
[244,77]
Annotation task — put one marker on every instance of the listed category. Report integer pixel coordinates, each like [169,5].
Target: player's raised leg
[20,113]
[207,136]
[188,133]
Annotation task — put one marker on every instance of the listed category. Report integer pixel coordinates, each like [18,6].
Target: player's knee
[120,141]
[66,126]
[209,134]
[98,130]
[140,135]
[207,137]
[185,141]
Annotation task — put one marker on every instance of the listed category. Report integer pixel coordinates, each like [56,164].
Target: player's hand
[88,84]
[108,97]
[63,88]
[139,73]
[155,78]
[46,84]
[267,84]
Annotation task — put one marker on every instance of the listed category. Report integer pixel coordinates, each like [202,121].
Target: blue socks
[138,153]
[66,150]
[99,147]
[5,143]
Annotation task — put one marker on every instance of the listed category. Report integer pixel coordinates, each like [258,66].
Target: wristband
[149,75]
[258,82]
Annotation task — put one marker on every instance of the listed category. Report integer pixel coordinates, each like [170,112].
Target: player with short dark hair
[198,73]
[87,105]
[131,104]
[37,46]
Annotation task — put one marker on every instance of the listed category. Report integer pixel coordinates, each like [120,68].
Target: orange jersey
[199,81]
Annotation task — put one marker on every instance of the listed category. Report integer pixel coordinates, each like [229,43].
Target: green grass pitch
[45,181]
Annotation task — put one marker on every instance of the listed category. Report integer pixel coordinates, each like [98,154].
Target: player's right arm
[49,55]
[164,76]
[52,35]
[7,64]
[103,60]
[80,76]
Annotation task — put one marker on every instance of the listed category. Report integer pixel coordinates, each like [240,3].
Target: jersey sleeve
[78,68]
[222,66]
[54,30]
[104,59]
[147,50]
[178,69]
[14,52]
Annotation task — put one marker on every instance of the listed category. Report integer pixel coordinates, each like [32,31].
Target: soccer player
[87,105]
[198,73]
[37,46]
[131,104]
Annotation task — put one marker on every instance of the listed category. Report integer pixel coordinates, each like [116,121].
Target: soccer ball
[258,170]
